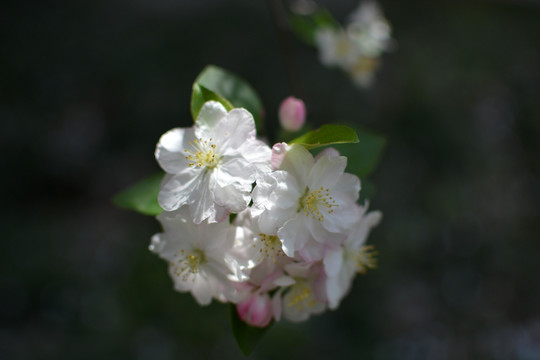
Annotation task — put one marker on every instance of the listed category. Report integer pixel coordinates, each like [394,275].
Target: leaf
[305,26]
[141,197]
[364,156]
[200,95]
[368,190]
[231,87]
[327,135]
[247,337]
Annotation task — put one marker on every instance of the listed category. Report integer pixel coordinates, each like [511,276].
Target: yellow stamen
[204,154]
[186,265]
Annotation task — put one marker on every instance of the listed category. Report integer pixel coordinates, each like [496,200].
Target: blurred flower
[211,167]
[356,49]
[304,297]
[292,114]
[370,29]
[342,263]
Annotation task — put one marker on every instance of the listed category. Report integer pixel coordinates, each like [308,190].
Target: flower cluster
[297,237]
[356,49]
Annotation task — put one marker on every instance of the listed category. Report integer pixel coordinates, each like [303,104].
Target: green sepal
[247,337]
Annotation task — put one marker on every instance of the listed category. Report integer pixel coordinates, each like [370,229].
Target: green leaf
[305,26]
[141,197]
[247,337]
[368,190]
[364,156]
[327,135]
[200,95]
[231,87]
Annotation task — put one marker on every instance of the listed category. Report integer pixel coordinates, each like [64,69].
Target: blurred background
[88,87]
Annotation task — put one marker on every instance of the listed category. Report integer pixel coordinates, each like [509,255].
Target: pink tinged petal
[333,261]
[176,190]
[326,172]
[279,151]
[211,114]
[293,235]
[170,150]
[298,161]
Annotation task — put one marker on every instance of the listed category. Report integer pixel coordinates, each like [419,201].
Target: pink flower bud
[292,114]
[256,310]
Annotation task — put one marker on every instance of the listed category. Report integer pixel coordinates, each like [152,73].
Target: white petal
[298,162]
[235,170]
[170,150]
[202,290]
[234,130]
[211,114]
[333,261]
[293,235]
[234,197]
[176,190]
[326,172]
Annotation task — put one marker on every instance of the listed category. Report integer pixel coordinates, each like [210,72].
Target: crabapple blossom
[211,167]
[307,199]
[198,254]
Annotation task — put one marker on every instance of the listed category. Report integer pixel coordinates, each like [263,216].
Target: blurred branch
[282,28]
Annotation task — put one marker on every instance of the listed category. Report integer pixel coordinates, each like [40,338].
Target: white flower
[198,254]
[343,263]
[255,247]
[308,198]
[211,167]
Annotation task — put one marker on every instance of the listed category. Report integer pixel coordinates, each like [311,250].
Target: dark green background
[87,88]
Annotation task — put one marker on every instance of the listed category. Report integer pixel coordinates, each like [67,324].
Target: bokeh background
[87,88]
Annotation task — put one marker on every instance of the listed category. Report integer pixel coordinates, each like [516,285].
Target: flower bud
[256,310]
[292,114]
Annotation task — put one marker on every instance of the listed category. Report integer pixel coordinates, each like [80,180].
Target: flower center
[203,154]
[316,201]
[269,246]
[186,265]
[301,296]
